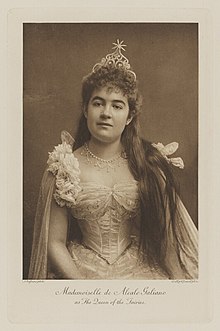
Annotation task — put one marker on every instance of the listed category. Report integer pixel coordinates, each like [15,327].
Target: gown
[106,217]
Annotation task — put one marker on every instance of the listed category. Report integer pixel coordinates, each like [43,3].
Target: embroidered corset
[105,214]
[105,217]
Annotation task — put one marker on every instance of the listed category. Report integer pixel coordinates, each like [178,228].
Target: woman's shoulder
[64,165]
[68,141]
[62,156]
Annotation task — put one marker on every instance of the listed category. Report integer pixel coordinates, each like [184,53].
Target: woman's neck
[104,150]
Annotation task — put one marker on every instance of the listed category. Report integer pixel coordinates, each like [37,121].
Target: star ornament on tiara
[115,59]
[119,45]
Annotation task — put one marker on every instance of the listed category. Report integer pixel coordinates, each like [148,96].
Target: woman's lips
[104,124]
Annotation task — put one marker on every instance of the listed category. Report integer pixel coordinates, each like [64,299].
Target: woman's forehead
[109,92]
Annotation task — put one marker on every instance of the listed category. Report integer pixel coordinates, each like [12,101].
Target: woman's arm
[58,254]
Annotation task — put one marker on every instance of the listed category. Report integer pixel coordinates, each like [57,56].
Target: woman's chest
[106,174]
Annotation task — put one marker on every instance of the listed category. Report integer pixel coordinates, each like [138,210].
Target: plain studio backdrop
[56,56]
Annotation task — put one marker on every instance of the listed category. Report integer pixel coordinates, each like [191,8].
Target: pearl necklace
[100,163]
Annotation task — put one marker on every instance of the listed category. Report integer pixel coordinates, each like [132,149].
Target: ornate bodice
[105,216]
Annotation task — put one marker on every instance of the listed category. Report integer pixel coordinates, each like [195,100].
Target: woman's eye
[117,107]
[97,104]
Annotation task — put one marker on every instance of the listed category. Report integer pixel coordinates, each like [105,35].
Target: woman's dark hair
[157,186]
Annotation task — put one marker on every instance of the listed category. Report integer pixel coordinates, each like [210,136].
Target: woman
[119,189]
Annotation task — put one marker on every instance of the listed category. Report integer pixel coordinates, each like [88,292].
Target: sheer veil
[39,263]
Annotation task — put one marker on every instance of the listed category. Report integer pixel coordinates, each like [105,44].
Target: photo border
[16,289]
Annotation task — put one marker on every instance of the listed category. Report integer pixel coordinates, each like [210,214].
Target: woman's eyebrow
[121,101]
[96,97]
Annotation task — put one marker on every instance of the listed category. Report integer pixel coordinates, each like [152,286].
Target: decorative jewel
[115,59]
[100,163]
[168,150]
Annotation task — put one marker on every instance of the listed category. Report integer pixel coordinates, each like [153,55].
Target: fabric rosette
[64,165]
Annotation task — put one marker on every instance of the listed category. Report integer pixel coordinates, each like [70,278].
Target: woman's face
[107,114]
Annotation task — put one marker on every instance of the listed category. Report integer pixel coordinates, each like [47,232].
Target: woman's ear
[85,112]
[130,118]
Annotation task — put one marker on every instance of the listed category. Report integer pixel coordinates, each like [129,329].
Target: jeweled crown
[115,59]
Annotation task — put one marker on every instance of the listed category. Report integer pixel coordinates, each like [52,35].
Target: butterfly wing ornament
[66,137]
[171,148]
[168,150]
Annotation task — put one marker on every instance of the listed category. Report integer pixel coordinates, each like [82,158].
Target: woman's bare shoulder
[78,152]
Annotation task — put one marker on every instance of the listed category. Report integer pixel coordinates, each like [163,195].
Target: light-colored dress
[106,216]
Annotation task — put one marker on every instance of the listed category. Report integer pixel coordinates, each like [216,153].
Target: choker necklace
[100,163]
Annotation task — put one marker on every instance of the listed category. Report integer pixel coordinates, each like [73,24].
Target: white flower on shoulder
[71,164]
[65,166]
[58,155]
[167,150]
[67,190]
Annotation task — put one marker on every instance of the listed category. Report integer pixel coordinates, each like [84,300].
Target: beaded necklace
[100,163]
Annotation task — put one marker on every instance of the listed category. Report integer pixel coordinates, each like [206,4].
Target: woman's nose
[106,111]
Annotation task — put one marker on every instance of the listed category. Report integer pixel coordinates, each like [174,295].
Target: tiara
[115,59]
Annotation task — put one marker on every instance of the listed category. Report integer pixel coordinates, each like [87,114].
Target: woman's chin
[105,138]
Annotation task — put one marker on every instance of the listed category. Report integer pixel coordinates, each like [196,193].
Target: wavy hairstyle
[157,187]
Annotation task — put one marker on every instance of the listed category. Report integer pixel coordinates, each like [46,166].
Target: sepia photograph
[110,151]
[110,180]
